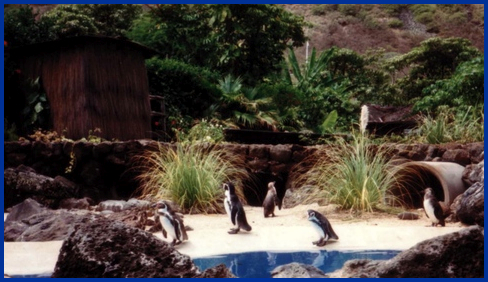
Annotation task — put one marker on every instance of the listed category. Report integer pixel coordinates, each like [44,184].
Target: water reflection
[260,264]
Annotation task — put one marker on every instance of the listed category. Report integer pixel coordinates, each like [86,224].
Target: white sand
[288,231]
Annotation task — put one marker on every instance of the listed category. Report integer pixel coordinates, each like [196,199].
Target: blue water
[260,264]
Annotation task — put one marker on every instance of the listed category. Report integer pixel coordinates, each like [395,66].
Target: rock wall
[105,170]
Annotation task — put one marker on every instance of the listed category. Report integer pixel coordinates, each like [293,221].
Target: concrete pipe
[413,177]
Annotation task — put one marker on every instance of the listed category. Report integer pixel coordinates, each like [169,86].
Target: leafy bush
[190,175]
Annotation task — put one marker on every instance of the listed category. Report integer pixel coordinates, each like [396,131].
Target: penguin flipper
[233,214]
[242,220]
[165,234]
[277,202]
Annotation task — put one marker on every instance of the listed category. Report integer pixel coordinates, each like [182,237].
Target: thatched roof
[92,82]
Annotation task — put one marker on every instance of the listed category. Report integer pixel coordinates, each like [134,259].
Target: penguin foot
[319,243]
[233,231]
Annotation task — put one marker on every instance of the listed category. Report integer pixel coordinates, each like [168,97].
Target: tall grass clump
[191,175]
[450,127]
[355,175]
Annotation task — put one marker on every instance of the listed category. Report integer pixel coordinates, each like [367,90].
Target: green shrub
[395,23]
[322,9]
[355,176]
[204,131]
[349,9]
[190,175]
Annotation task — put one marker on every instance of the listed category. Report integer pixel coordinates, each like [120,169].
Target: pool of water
[260,264]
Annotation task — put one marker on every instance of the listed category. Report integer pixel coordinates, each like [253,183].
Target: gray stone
[20,184]
[474,173]
[471,209]
[408,216]
[112,205]
[47,225]
[24,210]
[456,255]
[297,270]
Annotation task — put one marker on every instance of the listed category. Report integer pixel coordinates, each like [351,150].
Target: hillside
[395,28]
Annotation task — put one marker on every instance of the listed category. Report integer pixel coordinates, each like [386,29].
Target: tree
[435,59]
[246,41]
[101,19]
[464,89]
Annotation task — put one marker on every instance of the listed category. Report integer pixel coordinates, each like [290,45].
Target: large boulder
[456,255]
[297,270]
[471,207]
[102,248]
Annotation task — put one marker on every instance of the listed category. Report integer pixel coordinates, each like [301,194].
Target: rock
[297,270]
[131,217]
[474,173]
[458,156]
[102,248]
[408,216]
[20,184]
[48,225]
[471,208]
[280,153]
[140,204]
[456,255]
[219,271]
[24,210]
[112,205]
[79,204]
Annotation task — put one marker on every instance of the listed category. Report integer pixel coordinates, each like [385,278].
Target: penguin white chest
[429,210]
[227,204]
[319,229]
[168,226]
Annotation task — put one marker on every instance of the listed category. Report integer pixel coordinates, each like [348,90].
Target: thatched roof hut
[92,82]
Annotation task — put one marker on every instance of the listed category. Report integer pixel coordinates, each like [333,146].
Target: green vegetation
[451,127]
[354,175]
[235,65]
[190,175]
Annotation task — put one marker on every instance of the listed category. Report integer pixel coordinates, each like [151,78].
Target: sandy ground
[288,231]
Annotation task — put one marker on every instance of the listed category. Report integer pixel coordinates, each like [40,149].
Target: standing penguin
[322,226]
[171,223]
[271,200]
[234,209]
[432,208]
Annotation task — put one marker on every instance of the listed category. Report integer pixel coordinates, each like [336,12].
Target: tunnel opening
[410,183]
[256,187]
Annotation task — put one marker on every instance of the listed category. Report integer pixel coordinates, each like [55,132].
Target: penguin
[234,209]
[322,226]
[171,223]
[271,200]
[432,208]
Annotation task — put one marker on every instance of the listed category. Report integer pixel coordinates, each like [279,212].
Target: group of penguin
[172,223]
